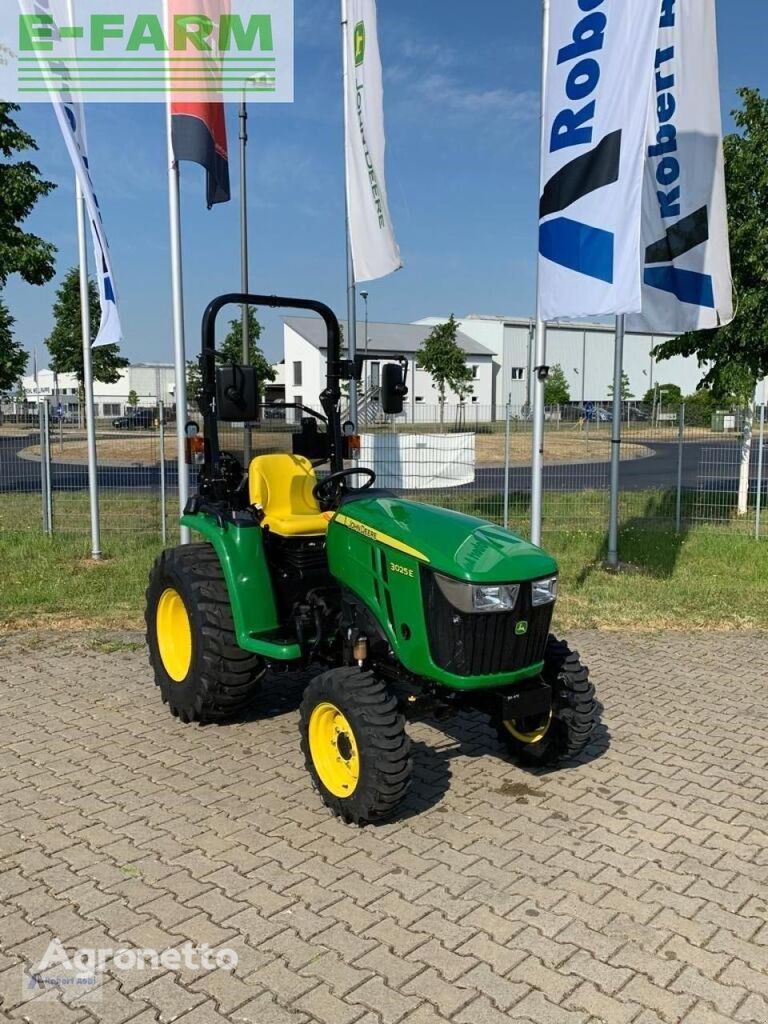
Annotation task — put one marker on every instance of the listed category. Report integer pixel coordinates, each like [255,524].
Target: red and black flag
[199,128]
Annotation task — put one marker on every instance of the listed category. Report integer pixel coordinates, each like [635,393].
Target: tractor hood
[461,546]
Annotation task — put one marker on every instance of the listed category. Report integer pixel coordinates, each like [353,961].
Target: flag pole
[540,359]
[85,324]
[90,423]
[179,347]
[618,374]
[244,283]
[351,285]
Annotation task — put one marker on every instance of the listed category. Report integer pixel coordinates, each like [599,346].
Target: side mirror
[237,394]
[393,389]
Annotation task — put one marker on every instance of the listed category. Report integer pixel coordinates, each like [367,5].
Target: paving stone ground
[631,888]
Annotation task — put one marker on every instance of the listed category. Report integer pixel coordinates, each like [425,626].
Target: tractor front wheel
[568,727]
[202,673]
[355,745]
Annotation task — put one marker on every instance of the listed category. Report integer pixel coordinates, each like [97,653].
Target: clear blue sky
[461,109]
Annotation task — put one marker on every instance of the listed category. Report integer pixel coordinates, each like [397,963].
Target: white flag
[71,117]
[375,252]
[687,262]
[599,77]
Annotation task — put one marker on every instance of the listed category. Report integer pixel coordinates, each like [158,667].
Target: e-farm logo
[117,50]
[359,43]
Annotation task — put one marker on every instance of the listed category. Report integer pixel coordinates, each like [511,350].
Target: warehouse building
[500,352]
[306,359]
[151,382]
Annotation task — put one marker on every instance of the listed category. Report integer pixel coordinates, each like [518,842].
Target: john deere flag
[199,127]
[687,265]
[375,252]
[599,73]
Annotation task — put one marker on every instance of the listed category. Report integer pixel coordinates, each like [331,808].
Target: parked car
[272,412]
[596,414]
[639,415]
[62,416]
[137,419]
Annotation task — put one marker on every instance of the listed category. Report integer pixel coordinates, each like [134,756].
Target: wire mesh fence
[470,458]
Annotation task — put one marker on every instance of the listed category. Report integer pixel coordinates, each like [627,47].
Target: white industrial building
[584,351]
[501,353]
[152,382]
[306,353]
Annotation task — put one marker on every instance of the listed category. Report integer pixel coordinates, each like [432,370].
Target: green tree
[446,362]
[737,353]
[626,393]
[231,351]
[20,189]
[133,399]
[670,394]
[65,341]
[13,358]
[556,390]
[699,408]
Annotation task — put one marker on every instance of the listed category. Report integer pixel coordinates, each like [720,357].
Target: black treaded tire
[379,733]
[576,712]
[223,678]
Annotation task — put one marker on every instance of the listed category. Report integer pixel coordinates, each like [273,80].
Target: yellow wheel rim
[174,635]
[530,738]
[334,750]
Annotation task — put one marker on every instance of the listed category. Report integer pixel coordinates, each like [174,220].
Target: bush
[699,408]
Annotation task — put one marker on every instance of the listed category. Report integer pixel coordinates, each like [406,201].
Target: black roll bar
[338,370]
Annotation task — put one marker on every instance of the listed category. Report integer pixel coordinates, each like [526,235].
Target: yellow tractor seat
[282,485]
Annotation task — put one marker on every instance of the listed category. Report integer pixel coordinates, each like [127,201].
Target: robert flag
[374,250]
[595,116]
[687,268]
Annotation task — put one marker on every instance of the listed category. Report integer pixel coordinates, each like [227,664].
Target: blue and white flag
[687,265]
[599,72]
[71,117]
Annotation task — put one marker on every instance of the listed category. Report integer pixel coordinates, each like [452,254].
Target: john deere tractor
[393,602]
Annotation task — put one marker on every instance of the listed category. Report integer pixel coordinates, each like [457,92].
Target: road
[707,465]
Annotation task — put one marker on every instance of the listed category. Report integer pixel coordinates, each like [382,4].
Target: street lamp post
[364,297]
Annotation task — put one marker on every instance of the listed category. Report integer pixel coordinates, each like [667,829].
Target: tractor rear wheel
[567,729]
[355,745]
[202,673]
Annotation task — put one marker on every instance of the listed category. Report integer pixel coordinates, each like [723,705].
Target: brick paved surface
[631,887]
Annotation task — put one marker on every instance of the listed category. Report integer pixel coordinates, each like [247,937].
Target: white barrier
[419,462]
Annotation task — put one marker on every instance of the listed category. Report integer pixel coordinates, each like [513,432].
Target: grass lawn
[703,579]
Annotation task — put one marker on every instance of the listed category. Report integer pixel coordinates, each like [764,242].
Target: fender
[249,585]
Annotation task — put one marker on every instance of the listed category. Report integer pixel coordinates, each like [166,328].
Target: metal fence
[473,459]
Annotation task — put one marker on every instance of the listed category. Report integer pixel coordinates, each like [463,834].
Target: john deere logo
[521,628]
[359,43]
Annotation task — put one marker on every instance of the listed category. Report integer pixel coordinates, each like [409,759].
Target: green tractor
[396,603]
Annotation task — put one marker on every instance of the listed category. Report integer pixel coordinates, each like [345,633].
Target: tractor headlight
[473,599]
[544,592]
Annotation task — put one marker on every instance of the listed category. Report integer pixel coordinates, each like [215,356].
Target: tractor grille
[480,645]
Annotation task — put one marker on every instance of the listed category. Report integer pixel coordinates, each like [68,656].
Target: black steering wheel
[332,487]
